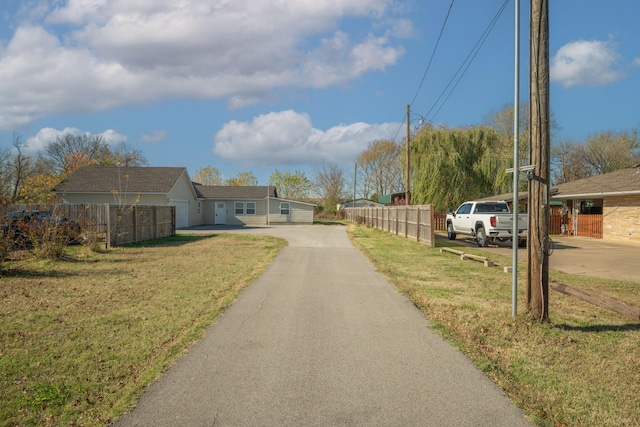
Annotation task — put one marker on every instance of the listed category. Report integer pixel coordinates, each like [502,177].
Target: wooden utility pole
[407,171]
[538,243]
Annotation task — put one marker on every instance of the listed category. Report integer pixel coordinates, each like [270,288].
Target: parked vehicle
[486,220]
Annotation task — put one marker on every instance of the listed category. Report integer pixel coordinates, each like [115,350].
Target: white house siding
[181,193]
[299,212]
[259,218]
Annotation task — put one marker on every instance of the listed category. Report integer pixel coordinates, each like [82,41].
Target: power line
[466,63]
[426,71]
[424,76]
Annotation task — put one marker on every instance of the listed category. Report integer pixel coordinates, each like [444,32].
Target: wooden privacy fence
[139,223]
[120,224]
[587,225]
[415,222]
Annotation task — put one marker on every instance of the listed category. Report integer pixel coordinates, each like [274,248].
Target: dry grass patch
[580,369]
[80,339]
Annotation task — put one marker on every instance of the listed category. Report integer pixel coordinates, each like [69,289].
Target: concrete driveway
[322,339]
[580,255]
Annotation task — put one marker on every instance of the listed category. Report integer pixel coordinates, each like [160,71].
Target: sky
[260,85]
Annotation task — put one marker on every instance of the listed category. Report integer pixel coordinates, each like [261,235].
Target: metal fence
[128,224]
[415,222]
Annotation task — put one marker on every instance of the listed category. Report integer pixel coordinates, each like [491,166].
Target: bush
[49,234]
[6,244]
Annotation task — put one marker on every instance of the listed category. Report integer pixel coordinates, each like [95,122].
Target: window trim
[248,209]
[235,208]
[287,209]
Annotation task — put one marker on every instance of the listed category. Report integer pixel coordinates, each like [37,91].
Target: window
[284,208]
[464,209]
[239,208]
[251,208]
[199,208]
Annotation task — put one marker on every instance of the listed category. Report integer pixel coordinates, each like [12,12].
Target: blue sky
[259,85]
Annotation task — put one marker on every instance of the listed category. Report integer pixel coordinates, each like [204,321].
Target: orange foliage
[37,189]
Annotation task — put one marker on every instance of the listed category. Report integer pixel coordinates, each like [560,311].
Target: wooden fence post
[418,224]
[134,220]
[107,217]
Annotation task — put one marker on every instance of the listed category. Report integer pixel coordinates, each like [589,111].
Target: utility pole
[538,237]
[407,171]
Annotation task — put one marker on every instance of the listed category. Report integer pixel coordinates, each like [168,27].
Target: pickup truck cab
[486,220]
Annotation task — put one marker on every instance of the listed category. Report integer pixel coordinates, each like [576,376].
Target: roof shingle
[124,179]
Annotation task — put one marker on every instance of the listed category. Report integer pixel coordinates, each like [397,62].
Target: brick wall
[621,218]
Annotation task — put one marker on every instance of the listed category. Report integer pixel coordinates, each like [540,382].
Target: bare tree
[19,167]
[330,183]
[608,151]
[599,153]
[122,155]
[64,149]
[380,168]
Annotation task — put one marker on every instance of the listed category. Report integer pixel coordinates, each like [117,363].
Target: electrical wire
[466,63]
[424,76]
[426,71]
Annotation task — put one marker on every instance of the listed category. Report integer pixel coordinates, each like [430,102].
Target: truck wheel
[450,234]
[481,238]
[522,243]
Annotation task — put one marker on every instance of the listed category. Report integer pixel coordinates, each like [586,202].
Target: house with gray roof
[195,204]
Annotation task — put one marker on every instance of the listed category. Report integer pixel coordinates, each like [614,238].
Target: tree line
[448,165]
[28,177]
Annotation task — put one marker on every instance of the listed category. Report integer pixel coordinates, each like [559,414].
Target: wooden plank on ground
[598,300]
[464,256]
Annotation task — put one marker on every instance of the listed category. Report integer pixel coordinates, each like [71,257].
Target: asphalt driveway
[322,339]
[580,256]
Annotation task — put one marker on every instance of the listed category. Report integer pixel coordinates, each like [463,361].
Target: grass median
[81,337]
[582,368]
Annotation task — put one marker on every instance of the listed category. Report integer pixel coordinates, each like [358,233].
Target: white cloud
[36,143]
[585,63]
[155,136]
[110,53]
[636,62]
[288,137]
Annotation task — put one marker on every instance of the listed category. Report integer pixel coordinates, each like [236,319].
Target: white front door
[221,213]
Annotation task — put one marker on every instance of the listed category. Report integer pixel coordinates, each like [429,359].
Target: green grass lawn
[582,368]
[81,337]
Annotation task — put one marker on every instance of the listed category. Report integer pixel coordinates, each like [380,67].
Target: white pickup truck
[486,221]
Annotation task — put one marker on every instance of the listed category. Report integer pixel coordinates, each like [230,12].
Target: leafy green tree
[294,186]
[208,175]
[450,166]
[243,179]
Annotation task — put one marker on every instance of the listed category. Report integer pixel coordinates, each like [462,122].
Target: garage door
[182,213]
